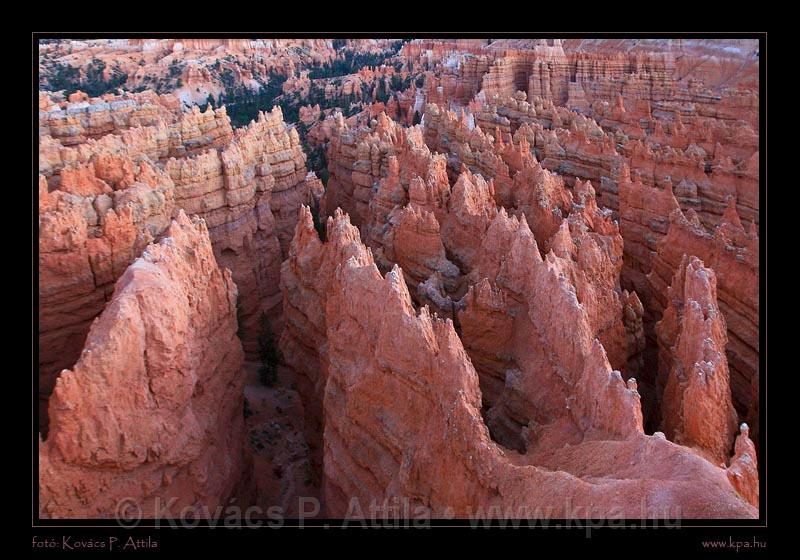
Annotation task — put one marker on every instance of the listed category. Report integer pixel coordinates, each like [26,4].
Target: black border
[200,534]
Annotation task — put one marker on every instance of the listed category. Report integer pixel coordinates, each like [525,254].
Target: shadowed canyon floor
[505,278]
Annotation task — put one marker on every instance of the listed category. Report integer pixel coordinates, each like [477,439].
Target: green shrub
[319,223]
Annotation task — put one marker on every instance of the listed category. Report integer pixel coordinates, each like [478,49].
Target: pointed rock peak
[744,430]
[472,194]
[498,135]
[524,242]
[584,191]
[305,219]
[464,118]
[340,214]
[417,193]
[340,230]
[464,181]
[338,120]
[743,469]
[523,228]
[393,166]
[696,408]
[691,271]
[304,232]
[561,243]
[397,286]
[633,300]
[676,288]
[671,200]
[429,221]
[731,216]
[700,285]
[501,227]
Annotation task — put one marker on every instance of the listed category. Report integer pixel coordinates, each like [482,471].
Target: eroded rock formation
[109,189]
[732,253]
[521,257]
[402,416]
[696,403]
[153,407]
[90,230]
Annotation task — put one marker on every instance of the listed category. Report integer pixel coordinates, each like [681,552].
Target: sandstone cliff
[402,418]
[696,404]
[152,410]
[732,252]
[90,230]
[247,185]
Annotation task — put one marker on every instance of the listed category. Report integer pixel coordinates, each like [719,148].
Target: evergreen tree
[268,352]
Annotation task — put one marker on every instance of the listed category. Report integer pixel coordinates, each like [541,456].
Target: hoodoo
[152,409]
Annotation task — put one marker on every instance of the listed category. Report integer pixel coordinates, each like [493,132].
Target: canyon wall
[249,193]
[152,410]
[537,253]
[733,254]
[693,372]
[103,198]
[402,416]
[647,161]
[90,230]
